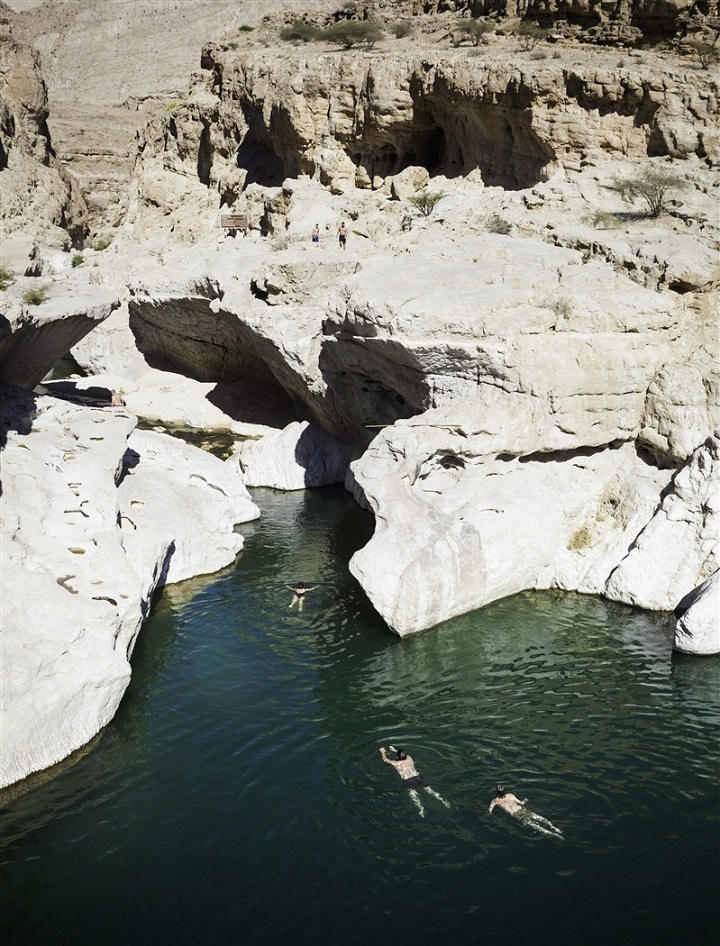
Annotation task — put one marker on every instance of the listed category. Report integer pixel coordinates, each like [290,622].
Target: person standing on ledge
[342,235]
[412,779]
[316,234]
[515,807]
[299,592]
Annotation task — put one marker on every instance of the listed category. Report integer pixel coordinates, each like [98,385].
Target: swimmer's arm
[385,758]
[492,805]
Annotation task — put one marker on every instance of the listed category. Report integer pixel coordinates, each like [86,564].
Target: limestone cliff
[38,196]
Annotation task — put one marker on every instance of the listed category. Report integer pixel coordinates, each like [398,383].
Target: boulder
[408,182]
[297,457]
[697,630]
[678,548]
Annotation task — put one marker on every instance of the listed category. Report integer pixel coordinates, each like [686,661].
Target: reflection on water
[239,797]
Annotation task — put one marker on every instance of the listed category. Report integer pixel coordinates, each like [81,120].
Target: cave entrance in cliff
[259,160]
[184,336]
[453,136]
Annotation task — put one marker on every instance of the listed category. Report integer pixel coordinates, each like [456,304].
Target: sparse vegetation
[426,202]
[604,220]
[562,307]
[35,296]
[652,188]
[77,260]
[171,106]
[580,539]
[6,279]
[538,55]
[530,35]
[471,30]
[498,224]
[706,53]
[244,29]
[300,31]
[101,245]
[402,29]
[353,33]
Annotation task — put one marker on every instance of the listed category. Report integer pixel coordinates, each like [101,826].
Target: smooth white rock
[297,457]
[96,516]
[697,630]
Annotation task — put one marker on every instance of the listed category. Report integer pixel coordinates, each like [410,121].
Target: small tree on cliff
[425,203]
[472,30]
[300,31]
[706,53]
[530,35]
[353,33]
[653,189]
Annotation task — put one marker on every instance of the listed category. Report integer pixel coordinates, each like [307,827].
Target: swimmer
[412,779]
[516,807]
[299,592]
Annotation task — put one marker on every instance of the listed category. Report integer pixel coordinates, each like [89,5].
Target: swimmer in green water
[299,592]
[412,779]
[516,807]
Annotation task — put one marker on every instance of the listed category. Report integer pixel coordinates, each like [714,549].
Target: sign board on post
[234,221]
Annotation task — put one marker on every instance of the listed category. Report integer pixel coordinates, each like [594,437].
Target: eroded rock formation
[94,521]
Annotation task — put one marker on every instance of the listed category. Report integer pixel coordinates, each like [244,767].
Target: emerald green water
[239,798]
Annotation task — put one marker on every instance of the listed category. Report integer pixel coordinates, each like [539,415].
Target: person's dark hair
[500,790]
[300,584]
[402,754]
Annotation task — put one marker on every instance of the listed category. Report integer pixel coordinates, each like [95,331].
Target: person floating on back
[515,807]
[299,592]
[412,779]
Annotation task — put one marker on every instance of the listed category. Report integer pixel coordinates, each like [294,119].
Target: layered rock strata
[39,199]
[94,521]
[357,119]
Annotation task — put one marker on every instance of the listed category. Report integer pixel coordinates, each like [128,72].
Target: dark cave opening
[204,160]
[262,164]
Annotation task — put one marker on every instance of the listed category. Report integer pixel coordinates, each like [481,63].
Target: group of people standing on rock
[342,235]
[404,765]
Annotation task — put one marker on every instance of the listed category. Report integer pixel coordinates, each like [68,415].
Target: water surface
[239,797]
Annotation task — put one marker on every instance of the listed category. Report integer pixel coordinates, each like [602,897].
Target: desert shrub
[580,539]
[562,306]
[538,55]
[402,29]
[171,106]
[426,202]
[498,224]
[652,188]
[557,54]
[35,296]
[604,220]
[530,35]
[353,33]
[77,260]
[300,30]
[706,53]
[101,245]
[6,278]
[472,30]
[244,29]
